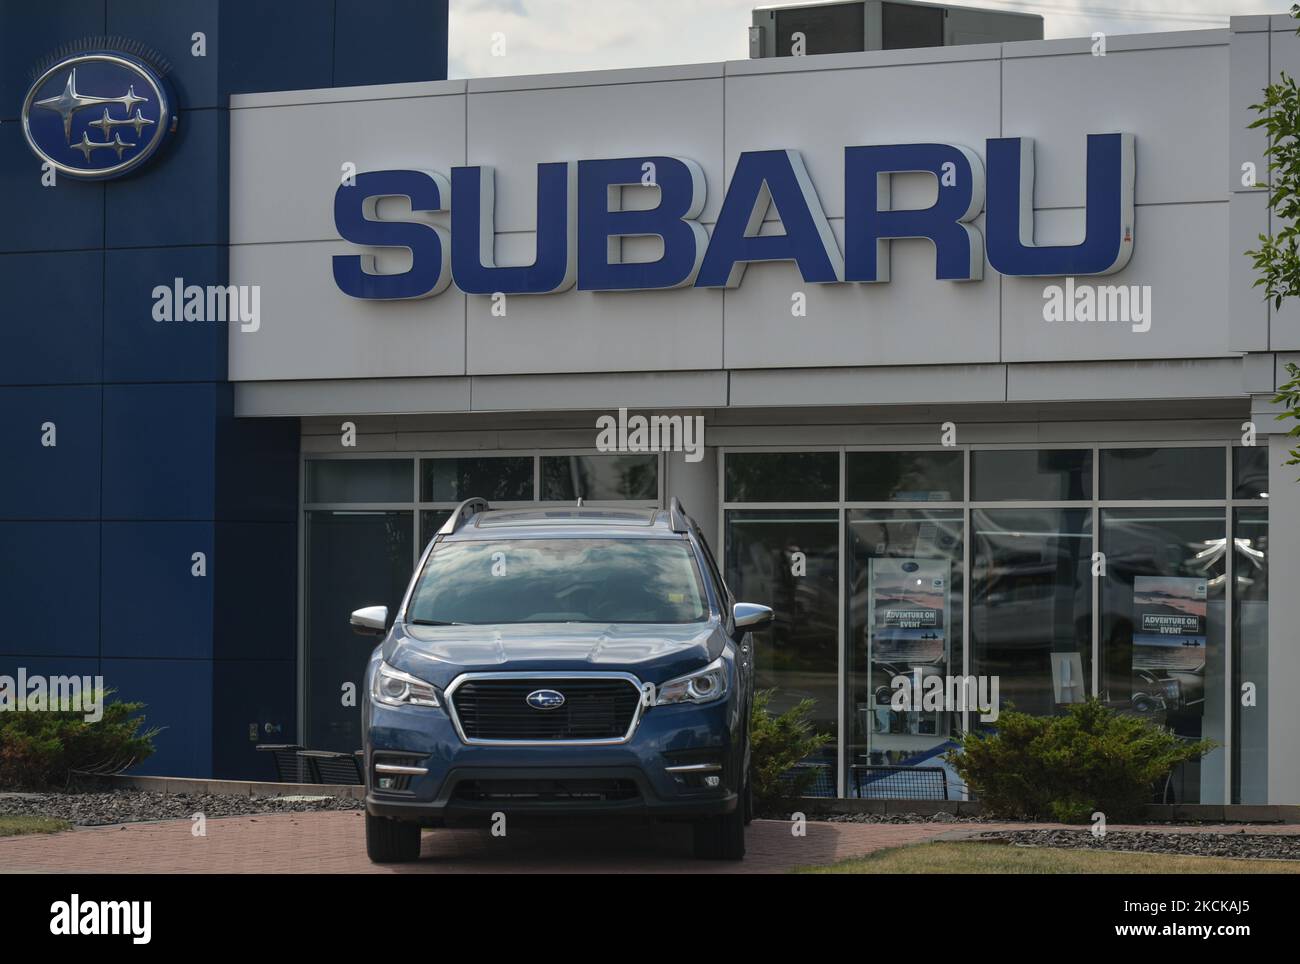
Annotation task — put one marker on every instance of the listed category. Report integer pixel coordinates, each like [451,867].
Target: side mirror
[371,621]
[752,615]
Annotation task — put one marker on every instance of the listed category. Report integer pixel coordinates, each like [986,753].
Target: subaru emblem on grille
[545,699]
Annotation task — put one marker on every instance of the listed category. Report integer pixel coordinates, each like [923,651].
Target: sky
[504,37]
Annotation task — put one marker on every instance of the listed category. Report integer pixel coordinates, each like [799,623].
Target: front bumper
[468,783]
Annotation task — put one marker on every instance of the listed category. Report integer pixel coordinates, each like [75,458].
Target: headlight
[703,686]
[392,687]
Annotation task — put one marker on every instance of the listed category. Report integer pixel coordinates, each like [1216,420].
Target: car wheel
[390,841]
[721,838]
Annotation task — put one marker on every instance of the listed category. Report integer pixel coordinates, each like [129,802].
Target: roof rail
[677,517]
[461,513]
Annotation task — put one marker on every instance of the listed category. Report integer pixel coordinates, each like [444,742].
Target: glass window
[353,559]
[1162,631]
[600,478]
[1031,606]
[789,560]
[1250,654]
[904,595]
[431,521]
[783,477]
[359,480]
[903,476]
[559,581]
[1044,475]
[1250,472]
[1183,473]
[494,479]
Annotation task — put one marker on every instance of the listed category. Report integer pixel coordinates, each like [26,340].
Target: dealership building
[985,383]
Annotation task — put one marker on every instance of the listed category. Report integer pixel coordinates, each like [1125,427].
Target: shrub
[777,743]
[1068,767]
[39,748]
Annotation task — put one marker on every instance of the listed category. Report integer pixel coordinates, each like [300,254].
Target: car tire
[390,841]
[721,838]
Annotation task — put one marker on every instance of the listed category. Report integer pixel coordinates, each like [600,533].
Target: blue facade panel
[49,588]
[287,45]
[54,311]
[34,30]
[153,603]
[140,348]
[150,465]
[252,698]
[257,475]
[180,198]
[178,696]
[255,569]
[59,481]
[167,27]
[69,216]
[159,451]
[367,50]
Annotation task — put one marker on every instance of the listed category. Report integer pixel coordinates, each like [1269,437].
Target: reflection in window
[1250,654]
[1044,475]
[1162,473]
[903,476]
[600,478]
[1250,472]
[495,479]
[480,582]
[1031,605]
[904,597]
[783,477]
[431,521]
[359,480]
[789,560]
[1162,631]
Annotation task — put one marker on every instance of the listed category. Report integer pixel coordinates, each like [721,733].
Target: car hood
[652,652]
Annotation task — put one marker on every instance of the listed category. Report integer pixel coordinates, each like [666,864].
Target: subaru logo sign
[545,699]
[98,115]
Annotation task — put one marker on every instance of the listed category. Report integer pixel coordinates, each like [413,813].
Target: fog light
[387,783]
[712,781]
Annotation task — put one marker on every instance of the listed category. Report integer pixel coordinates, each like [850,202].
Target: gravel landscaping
[1259,846]
[941,817]
[97,808]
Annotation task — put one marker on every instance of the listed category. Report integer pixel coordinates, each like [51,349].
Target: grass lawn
[994,858]
[13,826]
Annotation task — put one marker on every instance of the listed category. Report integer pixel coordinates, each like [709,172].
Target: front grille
[547,791]
[594,709]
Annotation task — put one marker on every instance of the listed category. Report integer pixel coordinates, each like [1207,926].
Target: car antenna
[579,502]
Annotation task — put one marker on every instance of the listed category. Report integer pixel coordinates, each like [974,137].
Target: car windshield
[559,581]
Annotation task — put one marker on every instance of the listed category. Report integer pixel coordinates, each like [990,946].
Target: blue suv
[560,661]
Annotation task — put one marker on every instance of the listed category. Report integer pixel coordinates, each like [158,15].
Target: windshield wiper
[432,622]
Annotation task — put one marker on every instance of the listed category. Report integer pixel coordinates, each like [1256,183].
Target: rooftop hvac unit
[846,26]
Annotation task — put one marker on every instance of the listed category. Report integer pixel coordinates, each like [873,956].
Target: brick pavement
[334,842]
